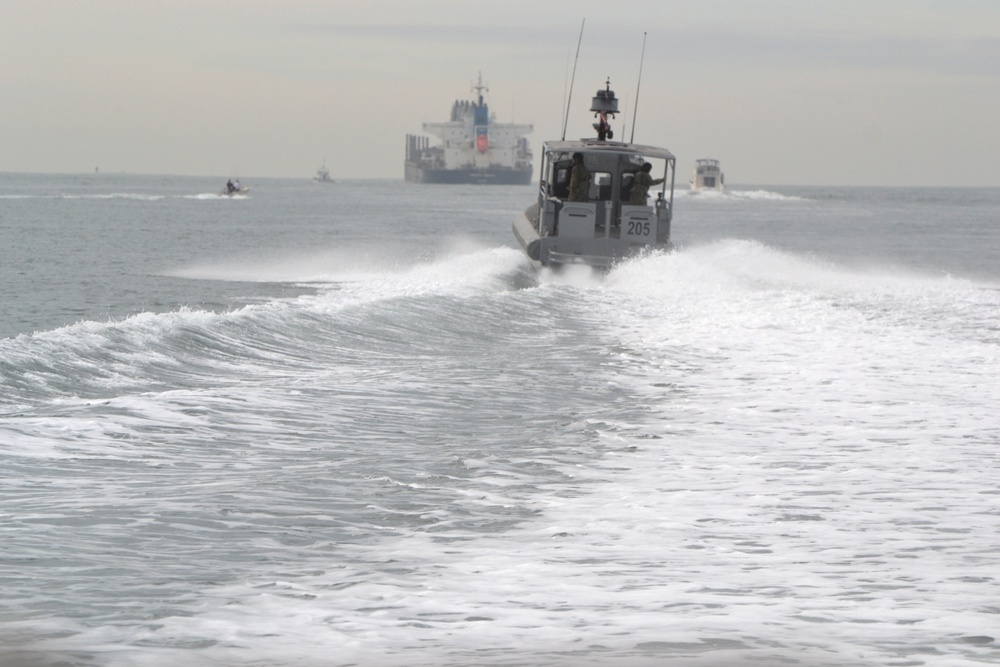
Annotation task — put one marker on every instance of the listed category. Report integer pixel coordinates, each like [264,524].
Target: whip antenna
[635,109]
[573,77]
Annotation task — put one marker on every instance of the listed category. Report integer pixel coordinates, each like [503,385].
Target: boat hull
[707,186]
[499,176]
[527,236]
[599,252]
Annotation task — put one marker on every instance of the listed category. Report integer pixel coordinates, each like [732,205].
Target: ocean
[347,424]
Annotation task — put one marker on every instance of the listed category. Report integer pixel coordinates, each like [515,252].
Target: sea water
[348,425]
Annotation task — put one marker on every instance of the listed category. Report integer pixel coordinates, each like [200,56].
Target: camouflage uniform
[643,181]
[579,183]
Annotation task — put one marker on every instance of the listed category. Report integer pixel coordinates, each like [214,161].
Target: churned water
[348,425]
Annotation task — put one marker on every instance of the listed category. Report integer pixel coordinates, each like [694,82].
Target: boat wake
[704,426]
[735,195]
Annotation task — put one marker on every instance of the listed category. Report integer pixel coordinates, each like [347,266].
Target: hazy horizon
[883,93]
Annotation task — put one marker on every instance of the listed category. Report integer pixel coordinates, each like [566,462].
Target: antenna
[566,79]
[624,113]
[479,88]
[582,23]
[635,109]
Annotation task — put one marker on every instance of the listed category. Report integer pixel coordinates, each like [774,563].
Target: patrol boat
[708,175]
[474,148]
[608,224]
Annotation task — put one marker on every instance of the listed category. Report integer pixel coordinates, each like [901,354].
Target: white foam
[726,453]
[730,195]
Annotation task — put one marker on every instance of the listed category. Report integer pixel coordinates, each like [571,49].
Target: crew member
[643,181]
[579,180]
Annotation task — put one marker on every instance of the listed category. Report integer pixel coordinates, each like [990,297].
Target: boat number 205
[638,228]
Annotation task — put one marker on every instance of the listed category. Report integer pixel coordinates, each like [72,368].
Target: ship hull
[500,176]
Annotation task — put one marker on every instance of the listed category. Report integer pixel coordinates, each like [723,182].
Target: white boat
[323,175]
[609,218]
[708,176]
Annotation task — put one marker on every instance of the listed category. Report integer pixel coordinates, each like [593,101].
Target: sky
[782,92]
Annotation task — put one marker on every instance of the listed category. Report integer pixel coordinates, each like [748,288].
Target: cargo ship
[471,148]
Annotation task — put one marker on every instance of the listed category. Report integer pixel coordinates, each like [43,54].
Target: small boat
[607,216]
[233,188]
[708,176]
[323,175]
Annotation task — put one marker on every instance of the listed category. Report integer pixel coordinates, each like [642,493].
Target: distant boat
[708,176]
[473,148]
[323,175]
[233,188]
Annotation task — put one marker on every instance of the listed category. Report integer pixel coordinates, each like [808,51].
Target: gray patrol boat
[610,224]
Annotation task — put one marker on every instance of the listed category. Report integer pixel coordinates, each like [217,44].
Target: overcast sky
[812,92]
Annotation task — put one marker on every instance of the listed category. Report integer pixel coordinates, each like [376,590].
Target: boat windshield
[612,177]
